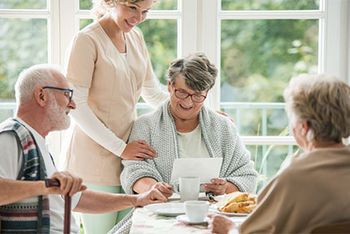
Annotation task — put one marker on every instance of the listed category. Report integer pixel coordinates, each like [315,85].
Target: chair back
[336,228]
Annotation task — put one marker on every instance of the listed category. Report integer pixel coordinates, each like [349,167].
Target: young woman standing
[109,66]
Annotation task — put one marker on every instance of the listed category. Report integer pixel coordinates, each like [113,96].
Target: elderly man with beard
[44,101]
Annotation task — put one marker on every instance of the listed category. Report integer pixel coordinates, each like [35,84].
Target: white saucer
[184,219]
[170,209]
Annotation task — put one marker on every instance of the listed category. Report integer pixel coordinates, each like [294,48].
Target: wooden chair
[336,228]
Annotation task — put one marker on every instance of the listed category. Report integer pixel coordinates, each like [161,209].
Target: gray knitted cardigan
[219,134]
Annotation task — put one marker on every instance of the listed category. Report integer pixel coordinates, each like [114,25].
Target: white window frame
[333,31]
[333,54]
[199,30]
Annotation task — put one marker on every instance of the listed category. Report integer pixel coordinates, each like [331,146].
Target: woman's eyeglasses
[182,94]
[66,92]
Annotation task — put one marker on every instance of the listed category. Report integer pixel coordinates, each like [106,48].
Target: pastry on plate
[242,203]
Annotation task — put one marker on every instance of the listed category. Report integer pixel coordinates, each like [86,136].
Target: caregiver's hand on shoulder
[138,150]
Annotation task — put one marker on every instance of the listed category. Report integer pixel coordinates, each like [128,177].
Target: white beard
[57,116]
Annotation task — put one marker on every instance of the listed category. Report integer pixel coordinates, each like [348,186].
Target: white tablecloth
[146,222]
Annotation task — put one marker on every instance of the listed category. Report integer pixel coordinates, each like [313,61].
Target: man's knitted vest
[30,215]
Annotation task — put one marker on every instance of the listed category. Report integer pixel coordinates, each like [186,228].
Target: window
[257,45]
[263,44]
[23,33]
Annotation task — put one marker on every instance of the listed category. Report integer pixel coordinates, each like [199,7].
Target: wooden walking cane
[67,205]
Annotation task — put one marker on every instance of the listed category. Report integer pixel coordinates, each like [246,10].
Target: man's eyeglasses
[66,92]
[182,94]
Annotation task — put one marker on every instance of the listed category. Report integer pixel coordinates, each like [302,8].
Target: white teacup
[196,211]
[189,188]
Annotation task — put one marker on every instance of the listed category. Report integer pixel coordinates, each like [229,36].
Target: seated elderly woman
[184,127]
[313,190]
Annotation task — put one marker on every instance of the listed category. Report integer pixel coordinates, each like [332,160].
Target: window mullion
[61,29]
[69,24]
[187,28]
[336,38]
[53,30]
[209,42]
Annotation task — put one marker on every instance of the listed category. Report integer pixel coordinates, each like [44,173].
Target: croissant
[240,198]
[243,203]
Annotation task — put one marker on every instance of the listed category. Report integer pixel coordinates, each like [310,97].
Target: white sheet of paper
[204,168]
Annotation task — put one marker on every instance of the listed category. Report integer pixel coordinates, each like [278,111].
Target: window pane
[23,42]
[85,22]
[23,4]
[259,120]
[5,113]
[158,5]
[85,4]
[258,57]
[165,5]
[270,4]
[161,40]
[269,159]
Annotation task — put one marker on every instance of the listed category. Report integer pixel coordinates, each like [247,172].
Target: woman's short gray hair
[28,79]
[101,7]
[322,101]
[196,69]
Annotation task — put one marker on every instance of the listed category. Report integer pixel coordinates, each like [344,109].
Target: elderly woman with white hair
[312,191]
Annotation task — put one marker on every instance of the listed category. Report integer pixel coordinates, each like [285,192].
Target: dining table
[146,221]
[149,219]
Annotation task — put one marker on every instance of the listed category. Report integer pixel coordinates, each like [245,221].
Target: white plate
[184,219]
[171,209]
[215,210]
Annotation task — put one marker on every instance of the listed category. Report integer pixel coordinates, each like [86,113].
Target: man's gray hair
[322,101]
[196,69]
[28,79]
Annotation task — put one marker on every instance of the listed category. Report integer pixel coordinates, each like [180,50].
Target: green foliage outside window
[160,37]
[85,22]
[258,57]
[270,4]
[21,4]
[23,42]
[85,4]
